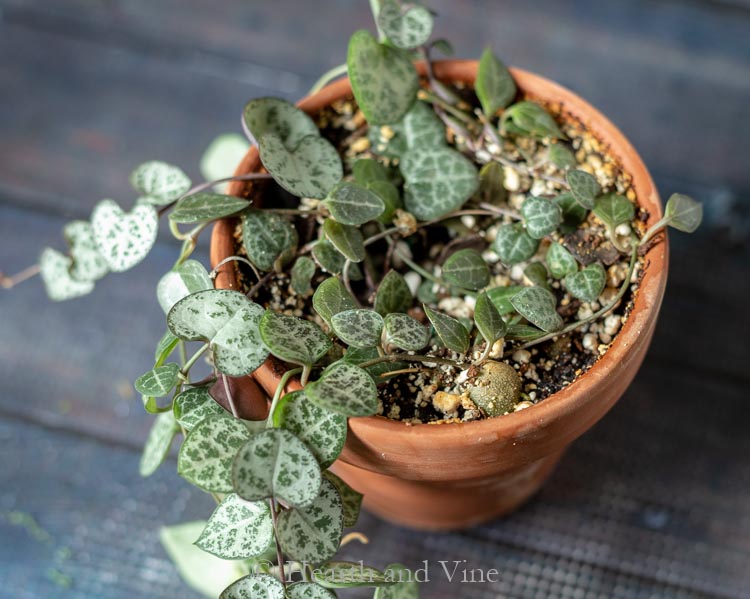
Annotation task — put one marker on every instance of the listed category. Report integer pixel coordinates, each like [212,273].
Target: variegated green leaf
[523,332]
[369,170]
[530,119]
[54,269]
[405,587]
[328,257]
[451,332]
[540,216]
[312,533]
[237,529]
[159,182]
[466,268]
[280,117]
[494,86]
[308,590]
[351,500]
[194,405]
[302,274]
[584,187]
[189,277]
[255,586]
[613,210]
[222,156]
[501,297]
[560,261]
[536,273]
[158,443]
[358,328]
[159,381]
[346,239]
[165,347]
[405,26]
[492,183]
[293,339]
[228,321]
[573,213]
[124,239]
[420,128]
[206,206]
[538,306]
[405,332]
[513,244]
[587,284]
[683,213]
[268,238]
[383,79]
[206,454]
[346,389]
[488,320]
[345,575]
[332,297]
[352,204]
[393,294]
[561,156]
[88,264]
[276,464]
[387,192]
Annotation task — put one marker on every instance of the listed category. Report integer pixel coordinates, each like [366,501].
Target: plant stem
[228,393]
[255,288]
[375,9]
[326,78]
[193,359]
[658,226]
[347,282]
[215,271]
[411,358]
[500,211]
[278,393]
[294,211]
[437,101]
[279,553]
[8,282]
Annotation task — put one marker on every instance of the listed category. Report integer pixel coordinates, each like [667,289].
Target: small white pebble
[522,356]
[483,156]
[585,312]
[538,188]
[522,405]
[612,324]
[446,402]
[469,221]
[413,280]
[516,272]
[512,180]
[590,341]
[623,230]
[497,349]
[604,338]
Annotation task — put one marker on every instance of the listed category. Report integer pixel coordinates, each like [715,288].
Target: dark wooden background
[654,502]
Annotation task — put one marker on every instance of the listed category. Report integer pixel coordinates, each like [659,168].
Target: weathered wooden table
[655,501]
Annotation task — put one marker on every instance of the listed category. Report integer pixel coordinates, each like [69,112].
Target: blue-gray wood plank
[655,501]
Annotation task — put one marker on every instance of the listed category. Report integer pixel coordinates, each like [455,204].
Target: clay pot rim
[647,298]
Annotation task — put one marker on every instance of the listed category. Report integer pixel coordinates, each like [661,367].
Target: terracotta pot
[456,475]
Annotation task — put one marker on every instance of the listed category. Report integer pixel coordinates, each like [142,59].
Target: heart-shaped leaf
[260,586]
[405,587]
[538,306]
[158,443]
[501,296]
[561,156]
[237,529]
[488,320]
[221,157]
[323,431]
[308,590]
[276,464]
[302,274]
[438,181]
[54,269]
[268,238]
[528,118]
[206,206]
[683,213]
[358,327]
[346,575]
[310,169]
[573,213]
[206,454]
[124,239]
[560,261]
[369,170]
[311,534]
[88,264]
[193,405]
[346,389]
[383,79]
[540,216]
[350,499]
[405,332]
[347,239]
[584,187]
[159,381]
[466,268]
[613,210]
[587,285]
[513,244]
[228,321]
[189,277]
[494,86]
[451,332]
[420,128]
[328,257]
[536,273]
[159,182]
[405,26]
[351,204]
[332,297]
[492,183]
[280,117]
[293,339]
[393,294]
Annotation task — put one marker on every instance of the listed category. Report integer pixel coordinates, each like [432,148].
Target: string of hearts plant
[437,154]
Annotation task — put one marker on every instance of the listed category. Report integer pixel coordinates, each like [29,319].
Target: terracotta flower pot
[456,475]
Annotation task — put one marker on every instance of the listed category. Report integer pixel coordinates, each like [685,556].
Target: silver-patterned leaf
[560,261]
[351,500]
[54,269]
[301,275]
[293,339]
[346,389]
[587,284]
[237,529]
[513,244]
[501,297]
[332,297]
[358,328]
[613,209]
[529,118]
[405,587]
[159,381]
[255,586]
[573,213]
[276,464]
[466,268]
[228,321]
[88,264]
[451,332]
[206,454]
[536,274]
[328,257]
[124,239]
[683,213]
[308,590]
[194,405]
[189,277]
[420,127]
[393,294]
[561,156]
[346,239]
[158,443]
[345,575]
[159,182]
[584,187]
[494,86]
[310,169]
[268,238]
[405,26]
[541,216]
[206,206]
[438,181]
[383,79]
[280,117]
[323,431]
[352,204]
[405,332]
[538,306]
[488,320]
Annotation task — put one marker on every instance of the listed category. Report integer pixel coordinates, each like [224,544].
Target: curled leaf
[538,306]
[452,333]
[332,297]
[494,86]
[302,274]
[683,213]
[347,239]
[393,294]
[529,118]
[613,210]
[488,320]
[350,499]
[189,277]
[54,269]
